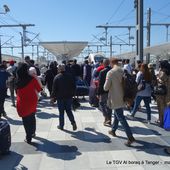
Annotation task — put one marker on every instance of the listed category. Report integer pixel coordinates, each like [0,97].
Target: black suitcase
[5,136]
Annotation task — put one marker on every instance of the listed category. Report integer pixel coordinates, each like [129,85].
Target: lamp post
[6,9]
[138,4]
[22,46]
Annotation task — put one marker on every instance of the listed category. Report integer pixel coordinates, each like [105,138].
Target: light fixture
[6,9]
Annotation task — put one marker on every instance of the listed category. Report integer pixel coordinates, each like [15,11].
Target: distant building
[7,57]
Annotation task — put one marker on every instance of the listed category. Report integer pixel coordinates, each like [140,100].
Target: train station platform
[90,147]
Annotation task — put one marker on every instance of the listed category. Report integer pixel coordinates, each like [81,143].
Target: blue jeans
[147,105]
[119,117]
[65,105]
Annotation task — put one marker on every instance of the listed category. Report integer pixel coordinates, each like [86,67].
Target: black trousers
[29,123]
[3,93]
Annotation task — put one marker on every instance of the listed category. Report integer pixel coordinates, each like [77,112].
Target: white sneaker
[149,122]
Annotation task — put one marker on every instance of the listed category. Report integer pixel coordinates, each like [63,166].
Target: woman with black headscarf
[27,88]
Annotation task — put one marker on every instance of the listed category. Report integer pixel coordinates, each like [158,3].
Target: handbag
[160,89]
[142,84]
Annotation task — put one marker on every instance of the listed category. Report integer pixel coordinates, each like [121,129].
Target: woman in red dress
[27,88]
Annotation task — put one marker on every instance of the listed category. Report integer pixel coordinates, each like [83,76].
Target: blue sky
[76,20]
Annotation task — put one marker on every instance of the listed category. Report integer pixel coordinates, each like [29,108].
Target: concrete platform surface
[90,147]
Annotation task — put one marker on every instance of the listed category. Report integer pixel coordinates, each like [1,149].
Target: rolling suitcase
[5,136]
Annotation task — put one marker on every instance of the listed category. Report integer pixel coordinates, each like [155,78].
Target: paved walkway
[88,148]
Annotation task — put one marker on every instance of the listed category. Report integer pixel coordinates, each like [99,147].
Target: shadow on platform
[144,131]
[45,115]
[14,122]
[91,136]
[145,144]
[11,161]
[55,150]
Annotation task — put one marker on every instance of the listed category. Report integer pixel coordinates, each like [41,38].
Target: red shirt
[100,68]
[27,98]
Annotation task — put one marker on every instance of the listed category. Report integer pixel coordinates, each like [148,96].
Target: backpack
[129,88]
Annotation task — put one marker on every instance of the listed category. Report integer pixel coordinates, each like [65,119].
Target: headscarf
[23,77]
[166,66]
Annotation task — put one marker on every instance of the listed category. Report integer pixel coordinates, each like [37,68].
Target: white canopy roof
[65,49]
[154,50]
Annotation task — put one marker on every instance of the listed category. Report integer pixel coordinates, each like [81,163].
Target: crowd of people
[104,80]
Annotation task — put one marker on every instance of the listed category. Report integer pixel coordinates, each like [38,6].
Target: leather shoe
[107,124]
[59,127]
[74,126]
[25,140]
[130,141]
[112,133]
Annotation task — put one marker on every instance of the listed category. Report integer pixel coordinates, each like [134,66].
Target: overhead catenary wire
[128,14]
[121,20]
[12,28]
[159,13]
[9,17]
[97,35]
[121,3]
[16,21]
[164,6]
[166,16]
[124,18]
[4,22]
[12,18]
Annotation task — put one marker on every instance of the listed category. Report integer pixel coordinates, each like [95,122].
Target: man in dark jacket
[87,71]
[76,69]
[103,95]
[49,76]
[63,90]
[3,89]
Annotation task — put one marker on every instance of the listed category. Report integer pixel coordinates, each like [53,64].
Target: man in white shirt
[127,66]
[11,80]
